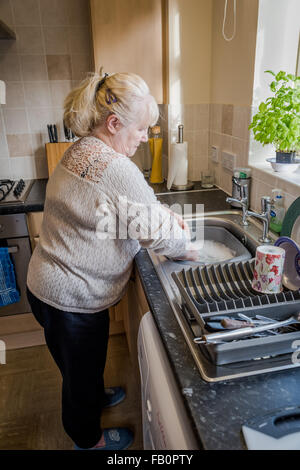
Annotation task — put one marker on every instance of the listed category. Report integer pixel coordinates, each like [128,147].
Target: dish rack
[225,289]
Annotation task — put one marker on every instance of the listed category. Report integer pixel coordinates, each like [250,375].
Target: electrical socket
[214,153]
[228,160]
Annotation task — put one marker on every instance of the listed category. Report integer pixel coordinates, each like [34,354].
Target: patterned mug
[268,269]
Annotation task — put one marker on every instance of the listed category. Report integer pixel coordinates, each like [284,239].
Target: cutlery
[242,332]
[50,133]
[55,133]
[66,132]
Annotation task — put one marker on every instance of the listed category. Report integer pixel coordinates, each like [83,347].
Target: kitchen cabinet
[116,313]
[130,36]
[137,306]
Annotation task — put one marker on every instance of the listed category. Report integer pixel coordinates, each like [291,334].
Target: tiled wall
[51,54]
[228,127]
[228,130]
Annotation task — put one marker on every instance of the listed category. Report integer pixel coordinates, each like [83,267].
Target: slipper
[115,439]
[113,396]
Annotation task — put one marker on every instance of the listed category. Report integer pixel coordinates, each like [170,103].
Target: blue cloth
[8,290]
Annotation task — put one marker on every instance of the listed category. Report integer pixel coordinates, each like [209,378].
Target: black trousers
[78,344]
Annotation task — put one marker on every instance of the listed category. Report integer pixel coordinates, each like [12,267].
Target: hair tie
[101,82]
[110,97]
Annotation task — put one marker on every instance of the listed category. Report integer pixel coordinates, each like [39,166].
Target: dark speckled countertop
[217,411]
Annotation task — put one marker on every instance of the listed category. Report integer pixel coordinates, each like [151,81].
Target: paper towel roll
[268,269]
[2,92]
[178,164]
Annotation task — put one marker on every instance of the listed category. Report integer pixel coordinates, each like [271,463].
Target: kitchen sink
[187,283]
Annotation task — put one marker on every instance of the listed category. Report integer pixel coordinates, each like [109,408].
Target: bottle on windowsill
[277,211]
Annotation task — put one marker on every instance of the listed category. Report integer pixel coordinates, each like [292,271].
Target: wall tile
[78,12]
[239,149]
[226,143]
[39,118]
[19,145]
[59,90]
[34,67]
[81,65]
[216,117]
[59,67]
[239,124]
[38,142]
[26,12]
[37,94]
[14,95]
[54,12]
[16,121]
[79,39]
[10,67]
[56,40]
[3,142]
[29,39]
[227,119]
[23,167]
[5,168]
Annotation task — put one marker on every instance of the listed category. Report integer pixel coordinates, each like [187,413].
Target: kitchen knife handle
[50,133]
[55,133]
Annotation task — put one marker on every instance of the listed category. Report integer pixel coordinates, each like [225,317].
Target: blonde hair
[124,94]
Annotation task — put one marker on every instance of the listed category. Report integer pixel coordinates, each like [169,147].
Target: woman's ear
[113,124]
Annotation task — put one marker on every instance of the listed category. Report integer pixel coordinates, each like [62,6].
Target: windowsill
[293,178]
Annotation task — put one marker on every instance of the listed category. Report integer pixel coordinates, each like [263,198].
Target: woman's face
[130,137]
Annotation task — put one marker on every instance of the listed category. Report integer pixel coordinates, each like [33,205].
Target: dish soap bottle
[277,211]
[155,144]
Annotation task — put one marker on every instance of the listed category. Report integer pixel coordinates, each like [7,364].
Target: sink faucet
[264,216]
[243,201]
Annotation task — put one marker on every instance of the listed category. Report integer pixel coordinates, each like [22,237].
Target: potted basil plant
[277,121]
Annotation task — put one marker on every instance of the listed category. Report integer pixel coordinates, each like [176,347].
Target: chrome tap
[244,202]
[264,216]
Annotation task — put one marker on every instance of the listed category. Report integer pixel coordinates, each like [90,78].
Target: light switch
[228,160]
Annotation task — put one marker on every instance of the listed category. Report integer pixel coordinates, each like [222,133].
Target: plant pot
[285,157]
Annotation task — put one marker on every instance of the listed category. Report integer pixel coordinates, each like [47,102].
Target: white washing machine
[165,422]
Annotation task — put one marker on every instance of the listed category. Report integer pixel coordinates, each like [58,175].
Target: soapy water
[211,251]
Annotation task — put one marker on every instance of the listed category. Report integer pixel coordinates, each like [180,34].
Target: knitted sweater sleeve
[140,215]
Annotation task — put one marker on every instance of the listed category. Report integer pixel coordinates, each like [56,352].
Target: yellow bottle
[155,144]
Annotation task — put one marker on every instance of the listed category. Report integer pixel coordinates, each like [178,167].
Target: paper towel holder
[190,184]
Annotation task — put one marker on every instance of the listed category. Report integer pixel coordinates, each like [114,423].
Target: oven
[14,235]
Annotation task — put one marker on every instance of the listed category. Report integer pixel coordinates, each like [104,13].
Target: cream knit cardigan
[73,268]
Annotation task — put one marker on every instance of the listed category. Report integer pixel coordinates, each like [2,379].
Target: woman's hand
[182,224]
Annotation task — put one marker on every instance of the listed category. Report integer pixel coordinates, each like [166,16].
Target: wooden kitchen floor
[30,389]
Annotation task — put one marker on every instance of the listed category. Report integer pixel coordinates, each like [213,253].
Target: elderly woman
[80,267]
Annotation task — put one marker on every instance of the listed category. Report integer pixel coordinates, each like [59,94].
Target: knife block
[54,153]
